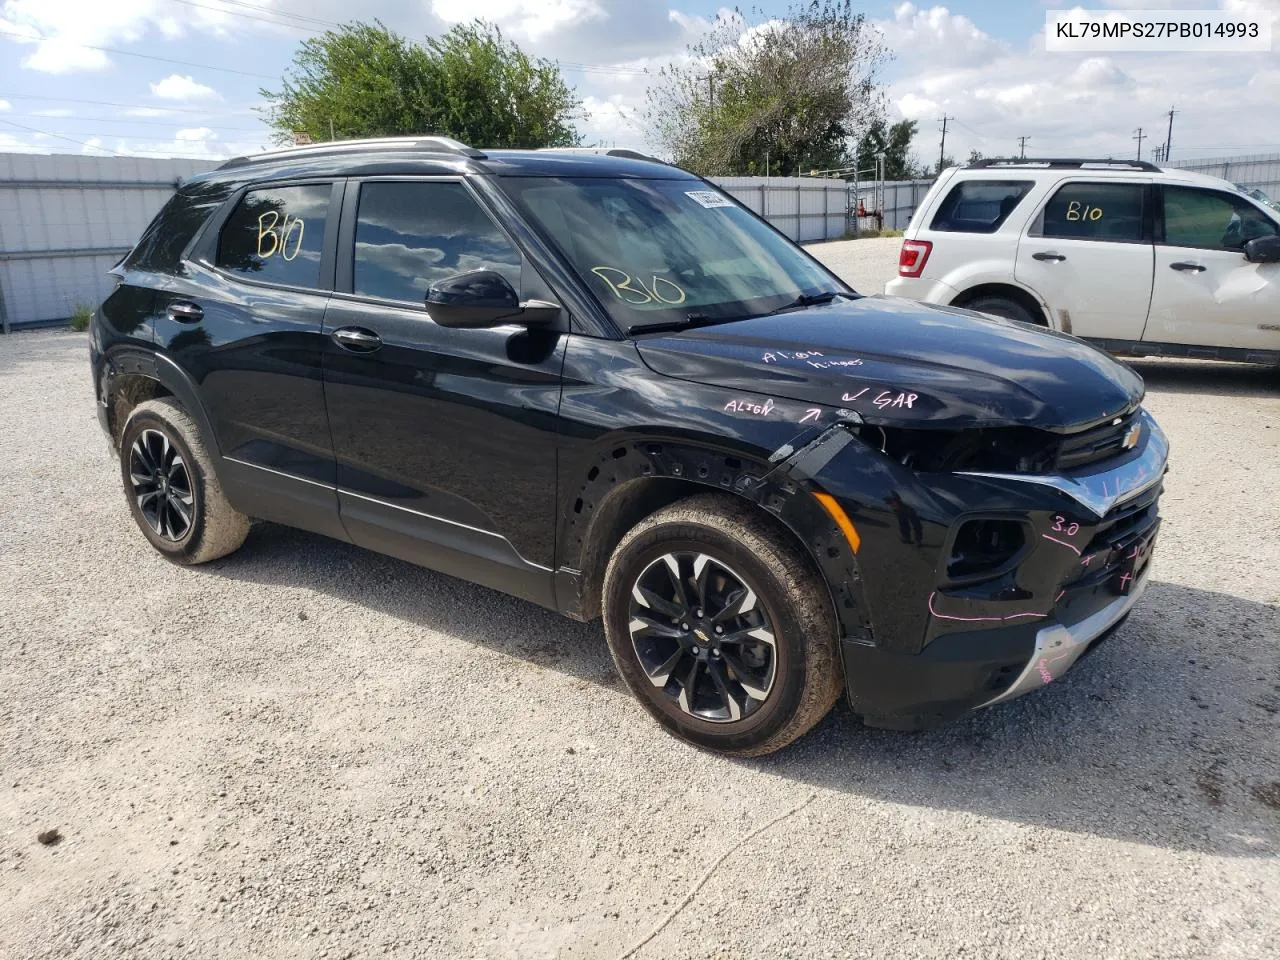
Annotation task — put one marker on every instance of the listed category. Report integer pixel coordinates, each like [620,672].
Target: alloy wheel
[161,485]
[702,636]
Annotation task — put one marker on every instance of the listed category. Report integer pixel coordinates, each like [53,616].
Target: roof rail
[604,152]
[1057,163]
[438,144]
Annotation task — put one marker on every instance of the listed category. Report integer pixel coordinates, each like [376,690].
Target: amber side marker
[841,518]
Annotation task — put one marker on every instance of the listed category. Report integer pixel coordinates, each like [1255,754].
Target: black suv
[601,384]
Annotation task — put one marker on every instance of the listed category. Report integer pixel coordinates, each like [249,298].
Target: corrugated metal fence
[1261,172]
[897,199]
[64,220]
[804,208]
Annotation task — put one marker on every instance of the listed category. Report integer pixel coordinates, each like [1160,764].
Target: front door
[1206,292]
[445,438]
[244,318]
[1088,255]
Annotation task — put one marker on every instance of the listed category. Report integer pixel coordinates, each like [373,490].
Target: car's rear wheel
[172,490]
[721,628]
[1006,308]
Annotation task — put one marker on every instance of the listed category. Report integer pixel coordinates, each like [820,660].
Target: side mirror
[483,298]
[1263,250]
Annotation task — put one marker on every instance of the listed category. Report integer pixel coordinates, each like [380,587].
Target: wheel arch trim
[131,360]
[620,489]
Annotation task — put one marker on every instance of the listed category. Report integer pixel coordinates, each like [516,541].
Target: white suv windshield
[662,251]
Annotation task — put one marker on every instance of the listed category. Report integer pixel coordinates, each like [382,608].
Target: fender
[164,370]
[631,477]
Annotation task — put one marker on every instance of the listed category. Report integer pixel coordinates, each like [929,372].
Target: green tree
[766,94]
[895,142]
[473,84]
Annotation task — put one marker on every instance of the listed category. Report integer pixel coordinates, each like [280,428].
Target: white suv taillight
[914,255]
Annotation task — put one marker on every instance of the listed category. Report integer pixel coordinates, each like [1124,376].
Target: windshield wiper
[808,300]
[688,323]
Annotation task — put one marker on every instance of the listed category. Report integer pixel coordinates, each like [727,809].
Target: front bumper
[1086,563]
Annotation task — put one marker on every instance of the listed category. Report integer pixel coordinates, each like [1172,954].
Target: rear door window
[1111,212]
[980,206]
[1209,220]
[276,235]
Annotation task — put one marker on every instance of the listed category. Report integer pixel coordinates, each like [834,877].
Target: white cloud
[1099,72]
[178,87]
[533,19]
[938,36]
[4,105]
[1074,104]
[195,134]
[615,121]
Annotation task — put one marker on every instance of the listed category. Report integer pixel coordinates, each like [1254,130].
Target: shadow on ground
[1207,376]
[1169,735]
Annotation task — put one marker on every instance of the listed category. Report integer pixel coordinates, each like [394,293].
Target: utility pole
[1168,143]
[1140,137]
[942,153]
[331,136]
[1022,146]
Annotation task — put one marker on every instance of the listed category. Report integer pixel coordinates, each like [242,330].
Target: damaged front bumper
[941,645]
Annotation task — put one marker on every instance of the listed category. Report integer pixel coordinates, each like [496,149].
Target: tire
[780,689]
[172,490]
[1003,307]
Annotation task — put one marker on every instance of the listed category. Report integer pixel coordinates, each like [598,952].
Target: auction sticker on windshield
[709,198]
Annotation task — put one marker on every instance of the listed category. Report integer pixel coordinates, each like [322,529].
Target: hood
[899,362]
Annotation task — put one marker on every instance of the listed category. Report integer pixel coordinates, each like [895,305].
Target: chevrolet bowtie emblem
[1131,438]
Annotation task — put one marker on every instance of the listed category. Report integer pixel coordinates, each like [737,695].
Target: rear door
[244,318]
[445,438]
[1088,254]
[1206,292]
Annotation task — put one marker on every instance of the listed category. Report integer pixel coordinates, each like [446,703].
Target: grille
[1094,445]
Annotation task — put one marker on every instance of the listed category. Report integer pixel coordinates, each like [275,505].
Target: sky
[183,77]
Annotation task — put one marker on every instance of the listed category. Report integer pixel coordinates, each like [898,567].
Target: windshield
[1258,195]
[666,251]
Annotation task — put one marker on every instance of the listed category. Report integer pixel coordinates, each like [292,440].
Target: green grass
[871,234]
[80,316]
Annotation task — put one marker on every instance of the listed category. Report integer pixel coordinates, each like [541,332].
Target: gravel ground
[306,750]
[867,265]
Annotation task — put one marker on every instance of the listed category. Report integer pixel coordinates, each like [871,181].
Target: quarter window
[1211,221]
[1111,212]
[409,235]
[980,206]
[276,234]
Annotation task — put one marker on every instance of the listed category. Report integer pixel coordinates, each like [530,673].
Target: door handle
[1184,265]
[357,339]
[184,312]
[1056,257]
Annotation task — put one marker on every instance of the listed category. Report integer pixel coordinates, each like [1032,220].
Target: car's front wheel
[721,628]
[171,486]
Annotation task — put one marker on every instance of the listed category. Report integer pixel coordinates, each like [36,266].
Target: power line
[96,146]
[129,122]
[147,56]
[79,143]
[278,12]
[112,103]
[249,16]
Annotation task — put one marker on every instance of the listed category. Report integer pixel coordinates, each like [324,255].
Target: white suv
[1141,260]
